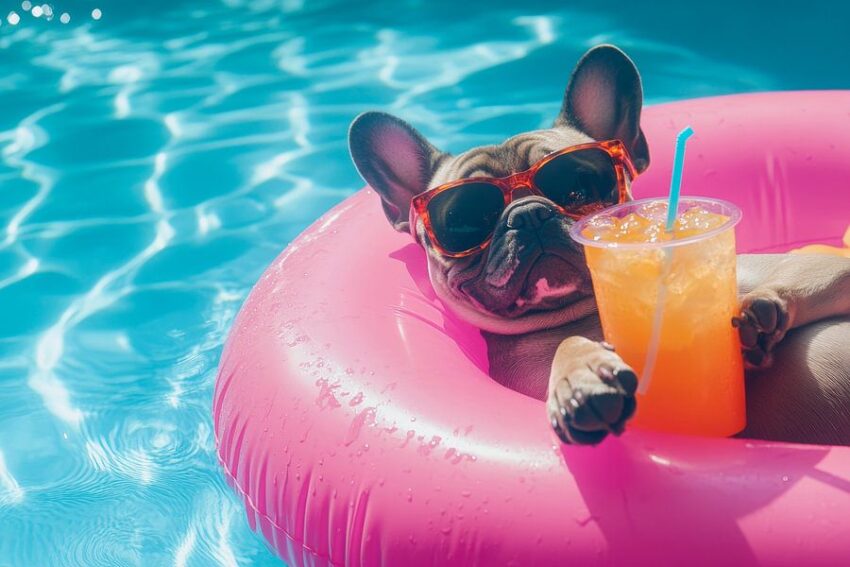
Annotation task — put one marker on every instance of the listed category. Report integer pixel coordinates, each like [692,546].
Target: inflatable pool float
[355,418]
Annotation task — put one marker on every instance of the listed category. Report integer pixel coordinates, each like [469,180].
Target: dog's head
[532,275]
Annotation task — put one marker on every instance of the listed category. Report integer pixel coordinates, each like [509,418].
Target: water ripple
[10,491]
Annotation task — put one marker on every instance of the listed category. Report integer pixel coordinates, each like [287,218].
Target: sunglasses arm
[411,221]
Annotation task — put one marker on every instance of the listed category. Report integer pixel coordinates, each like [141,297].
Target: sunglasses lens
[465,216]
[579,180]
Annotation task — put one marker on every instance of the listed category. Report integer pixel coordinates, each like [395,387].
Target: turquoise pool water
[155,160]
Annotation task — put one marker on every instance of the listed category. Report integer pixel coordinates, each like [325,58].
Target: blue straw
[676,180]
[672,209]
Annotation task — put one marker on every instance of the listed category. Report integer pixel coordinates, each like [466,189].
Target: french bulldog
[531,295]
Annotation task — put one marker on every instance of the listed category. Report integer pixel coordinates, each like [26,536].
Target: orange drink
[666,302]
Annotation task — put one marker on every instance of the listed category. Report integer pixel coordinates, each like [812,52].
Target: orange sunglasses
[461,216]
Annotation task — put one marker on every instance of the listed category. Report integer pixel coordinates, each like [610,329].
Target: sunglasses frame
[623,166]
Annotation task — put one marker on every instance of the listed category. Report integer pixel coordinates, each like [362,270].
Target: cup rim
[578,226]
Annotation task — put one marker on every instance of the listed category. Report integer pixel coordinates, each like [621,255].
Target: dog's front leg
[591,391]
[797,290]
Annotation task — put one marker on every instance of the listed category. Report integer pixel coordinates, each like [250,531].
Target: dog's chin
[530,321]
[553,292]
[551,284]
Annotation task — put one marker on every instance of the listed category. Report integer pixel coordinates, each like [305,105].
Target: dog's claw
[559,431]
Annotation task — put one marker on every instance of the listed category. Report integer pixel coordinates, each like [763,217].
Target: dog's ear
[604,99]
[394,159]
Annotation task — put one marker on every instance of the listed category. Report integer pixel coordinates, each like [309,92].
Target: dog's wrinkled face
[532,275]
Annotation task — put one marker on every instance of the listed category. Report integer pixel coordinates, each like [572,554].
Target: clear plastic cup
[677,296]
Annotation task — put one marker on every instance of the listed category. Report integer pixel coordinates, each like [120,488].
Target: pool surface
[155,160]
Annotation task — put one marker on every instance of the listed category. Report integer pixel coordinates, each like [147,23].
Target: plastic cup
[697,376]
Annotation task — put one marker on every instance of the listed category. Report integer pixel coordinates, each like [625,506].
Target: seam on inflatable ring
[794,244]
[248,502]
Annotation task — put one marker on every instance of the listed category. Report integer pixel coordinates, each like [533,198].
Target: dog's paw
[594,398]
[762,324]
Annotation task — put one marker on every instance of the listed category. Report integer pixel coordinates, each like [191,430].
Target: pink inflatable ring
[355,418]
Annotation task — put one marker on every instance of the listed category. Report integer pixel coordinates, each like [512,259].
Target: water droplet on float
[365,417]
[96,14]
[785,478]
[410,435]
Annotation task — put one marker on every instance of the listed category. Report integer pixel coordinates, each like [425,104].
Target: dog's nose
[530,214]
